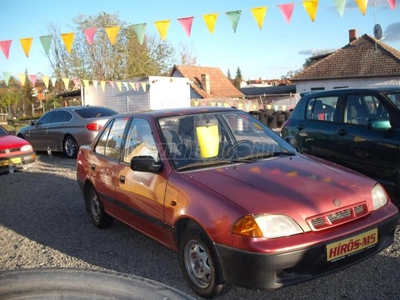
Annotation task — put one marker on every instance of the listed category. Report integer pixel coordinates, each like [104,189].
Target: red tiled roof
[220,86]
[364,57]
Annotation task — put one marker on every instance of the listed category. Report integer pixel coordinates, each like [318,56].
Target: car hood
[299,186]
[11,141]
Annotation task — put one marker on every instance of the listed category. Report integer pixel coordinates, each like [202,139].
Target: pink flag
[32,78]
[89,33]
[392,3]
[5,47]
[187,24]
[287,11]
[76,82]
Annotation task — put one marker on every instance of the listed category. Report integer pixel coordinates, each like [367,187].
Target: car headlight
[26,148]
[379,196]
[269,226]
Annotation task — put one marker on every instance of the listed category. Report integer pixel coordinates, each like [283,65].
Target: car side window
[110,141]
[59,116]
[46,118]
[360,108]
[321,108]
[140,140]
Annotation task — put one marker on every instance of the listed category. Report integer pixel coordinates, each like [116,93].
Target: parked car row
[237,202]
[357,128]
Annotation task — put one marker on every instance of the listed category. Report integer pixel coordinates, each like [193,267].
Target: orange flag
[259,15]
[162,27]
[210,20]
[112,33]
[26,45]
[68,39]
[311,8]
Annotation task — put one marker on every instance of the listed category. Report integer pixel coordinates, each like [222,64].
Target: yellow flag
[22,78]
[46,81]
[68,39]
[210,20]
[119,85]
[362,5]
[311,8]
[259,15]
[144,85]
[112,33]
[26,45]
[103,85]
[66,83]
[85,82]
[162,27]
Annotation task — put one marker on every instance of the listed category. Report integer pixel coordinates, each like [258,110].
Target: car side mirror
[145,163]
[379,124]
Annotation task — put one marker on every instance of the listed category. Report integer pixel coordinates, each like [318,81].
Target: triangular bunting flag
[85,82]
[234,17]
[111,83]
[132,84]
[32,78]
[311,8]
[46,81]
[137,86]
[53,81]
[144,85]
[112,33]
[119,85]
[7,76]
[95,83]
[140,31]
[89,34]
[162,28]
[287,11]
[392,3]
[5,47]
[22,78]
[362,5]
[66,83]
[26,44]
[187,24]
[210,20]
[68,39]
[76,82]
[103,85]
[259,15]
[46,42]
[125,85]
[340,5]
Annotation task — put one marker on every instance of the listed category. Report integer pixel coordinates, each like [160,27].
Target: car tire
[70,147]
[99,217]
[200,264]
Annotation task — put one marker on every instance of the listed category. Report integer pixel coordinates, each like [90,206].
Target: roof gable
[364,57]
[220,86]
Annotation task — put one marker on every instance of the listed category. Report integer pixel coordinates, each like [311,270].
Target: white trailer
[146,93]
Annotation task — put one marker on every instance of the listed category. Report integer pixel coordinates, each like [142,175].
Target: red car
[15,153]
[235,201]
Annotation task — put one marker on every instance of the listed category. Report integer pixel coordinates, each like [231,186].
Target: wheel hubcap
[197,263]
[70,147]
[95,208]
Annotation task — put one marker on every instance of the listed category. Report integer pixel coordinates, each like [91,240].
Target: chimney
[352,35]
[205,81]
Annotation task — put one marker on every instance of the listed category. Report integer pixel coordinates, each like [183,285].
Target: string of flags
[210,20]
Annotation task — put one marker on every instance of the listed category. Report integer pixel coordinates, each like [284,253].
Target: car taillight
[93,126]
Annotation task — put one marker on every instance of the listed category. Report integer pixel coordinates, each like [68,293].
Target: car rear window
[95,112]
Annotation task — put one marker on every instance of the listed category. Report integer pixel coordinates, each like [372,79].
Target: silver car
[66,129]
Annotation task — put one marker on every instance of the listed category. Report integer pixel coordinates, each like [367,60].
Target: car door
[370,151]
[38,133]
[141,194]
[315,132]
[56,130]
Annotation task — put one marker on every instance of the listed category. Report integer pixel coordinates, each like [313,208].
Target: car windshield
[3,132]
[210,139]
[395,98]
[95,112]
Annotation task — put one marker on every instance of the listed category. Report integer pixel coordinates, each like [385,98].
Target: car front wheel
[200,265]
[99,217]
[70,147]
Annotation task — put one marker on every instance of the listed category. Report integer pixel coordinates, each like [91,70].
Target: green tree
[238,78]
[228,75]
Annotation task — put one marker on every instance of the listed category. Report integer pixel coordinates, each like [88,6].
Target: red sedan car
[15,153]
[235,201]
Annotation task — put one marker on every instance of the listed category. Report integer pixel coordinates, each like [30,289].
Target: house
[364,61]
[210,87]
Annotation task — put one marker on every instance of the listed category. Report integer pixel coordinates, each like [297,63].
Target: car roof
[380,89]
[178,111]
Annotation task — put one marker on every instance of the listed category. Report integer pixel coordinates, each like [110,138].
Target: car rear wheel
[200,265]
[99,217]
[70,147]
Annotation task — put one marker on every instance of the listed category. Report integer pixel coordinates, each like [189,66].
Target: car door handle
[341,132]
[300,127]
[122,179]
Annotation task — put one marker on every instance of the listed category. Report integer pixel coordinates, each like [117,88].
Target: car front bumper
[260,271]
[20,161]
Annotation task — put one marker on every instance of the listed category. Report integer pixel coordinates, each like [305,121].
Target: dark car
[65,129]
[237,202]
[356,127]
[15,153]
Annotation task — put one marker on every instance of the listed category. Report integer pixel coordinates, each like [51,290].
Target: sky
[267,53]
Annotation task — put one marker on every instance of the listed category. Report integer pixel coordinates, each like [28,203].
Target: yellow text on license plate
[350,245]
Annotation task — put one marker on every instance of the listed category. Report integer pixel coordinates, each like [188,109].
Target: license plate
[343,248]
[16,160]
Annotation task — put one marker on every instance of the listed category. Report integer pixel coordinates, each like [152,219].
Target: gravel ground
[43,223]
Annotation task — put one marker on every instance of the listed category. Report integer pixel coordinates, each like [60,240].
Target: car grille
[337,217]
[9,150]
